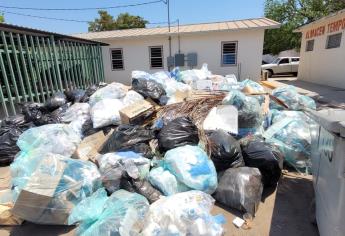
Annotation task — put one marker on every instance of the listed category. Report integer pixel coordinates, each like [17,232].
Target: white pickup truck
[282,65]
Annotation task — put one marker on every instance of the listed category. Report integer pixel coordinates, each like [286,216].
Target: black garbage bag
[91,90]
[17,120]
[148,88]
[140,148]
[142,187]
[58,113]
[259,154]
[240,188]
[87,128]
[127,136]
[225,150]
[75,95]
[178,132]
[39,115]
[57,100]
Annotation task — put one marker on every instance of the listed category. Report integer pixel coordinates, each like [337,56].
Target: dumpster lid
[331,119]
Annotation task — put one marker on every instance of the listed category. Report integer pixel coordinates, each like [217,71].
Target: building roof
[37,32]
[301,28]
[263,23]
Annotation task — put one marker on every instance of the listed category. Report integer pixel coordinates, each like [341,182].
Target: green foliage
[293,14]
[2,18]
[123,21]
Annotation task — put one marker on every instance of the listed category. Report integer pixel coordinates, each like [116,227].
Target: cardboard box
[89,147]
[33,201]
[137,112]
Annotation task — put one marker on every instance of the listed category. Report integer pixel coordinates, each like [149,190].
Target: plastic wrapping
[47,186]
[111,91]
[126,137]
[189,76]
[166,182]
[54,138]
[91,90]
[191,166]
[250,115]
[178,132]
[293,99]
[57,100]
[113,165]
[122,214]
[106,112]
[291,133]
[76,111]
[148,88]
[240,188]
[225,150]
[259,154]
[185,213]
[39,115]
[131,98]
[252,86]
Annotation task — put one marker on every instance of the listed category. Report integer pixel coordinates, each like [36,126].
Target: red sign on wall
[331,27]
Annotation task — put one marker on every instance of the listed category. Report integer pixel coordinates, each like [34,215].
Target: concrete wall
[206,45]
[323,66]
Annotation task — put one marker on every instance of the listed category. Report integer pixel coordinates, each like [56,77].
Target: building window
[229,53]
[333,41]
[310,46]
[116,59]
[156,57]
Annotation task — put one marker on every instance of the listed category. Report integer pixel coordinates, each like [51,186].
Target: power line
[82,9]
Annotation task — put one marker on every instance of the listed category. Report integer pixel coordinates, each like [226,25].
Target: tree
[293,14]
[123,21]
[2,18]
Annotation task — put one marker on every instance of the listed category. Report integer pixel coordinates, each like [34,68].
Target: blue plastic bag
[166,182]
[192,167]
[121,213]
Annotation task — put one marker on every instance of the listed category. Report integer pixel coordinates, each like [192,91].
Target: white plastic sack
[224,117]
[131,98]
[185,213]
[54,138]
[111,91]
[188,76]
[166,182]
[106,112]
[76,111]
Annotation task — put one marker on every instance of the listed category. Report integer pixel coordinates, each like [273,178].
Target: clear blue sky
[187,11]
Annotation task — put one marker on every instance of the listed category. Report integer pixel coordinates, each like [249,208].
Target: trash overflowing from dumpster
[152,158]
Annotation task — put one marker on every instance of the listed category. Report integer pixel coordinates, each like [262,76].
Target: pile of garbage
[153,158]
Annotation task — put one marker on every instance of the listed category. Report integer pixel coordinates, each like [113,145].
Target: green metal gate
[34,64]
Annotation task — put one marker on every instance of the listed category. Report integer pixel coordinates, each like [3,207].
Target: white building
[323,51]
[232,47]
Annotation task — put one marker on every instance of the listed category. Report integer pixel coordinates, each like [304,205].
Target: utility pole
[168,6]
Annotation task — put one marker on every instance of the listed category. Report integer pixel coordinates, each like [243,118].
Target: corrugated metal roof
[246,24]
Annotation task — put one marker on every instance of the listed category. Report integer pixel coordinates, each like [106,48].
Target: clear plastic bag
[240,188]
[54,138]
[291,133]
[111,91]
[166,182]
[122,214]
[191,166]
[293,99]
[76,111]
[106,112]
[113,165]
[46,186]
[131,98]
[252,86]
[185,213]
[189,76]
[250,115]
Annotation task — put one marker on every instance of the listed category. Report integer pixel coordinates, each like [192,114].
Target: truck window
[295,59]
[284,61]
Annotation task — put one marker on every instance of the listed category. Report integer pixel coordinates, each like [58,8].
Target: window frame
[341,35]
[306,45]
[284,58]
[111,59]
[222,54]
[150,57]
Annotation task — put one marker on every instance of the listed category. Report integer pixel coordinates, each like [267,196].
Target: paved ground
[284,211]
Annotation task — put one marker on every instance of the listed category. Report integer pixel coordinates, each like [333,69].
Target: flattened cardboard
[136,113]
[89,147]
